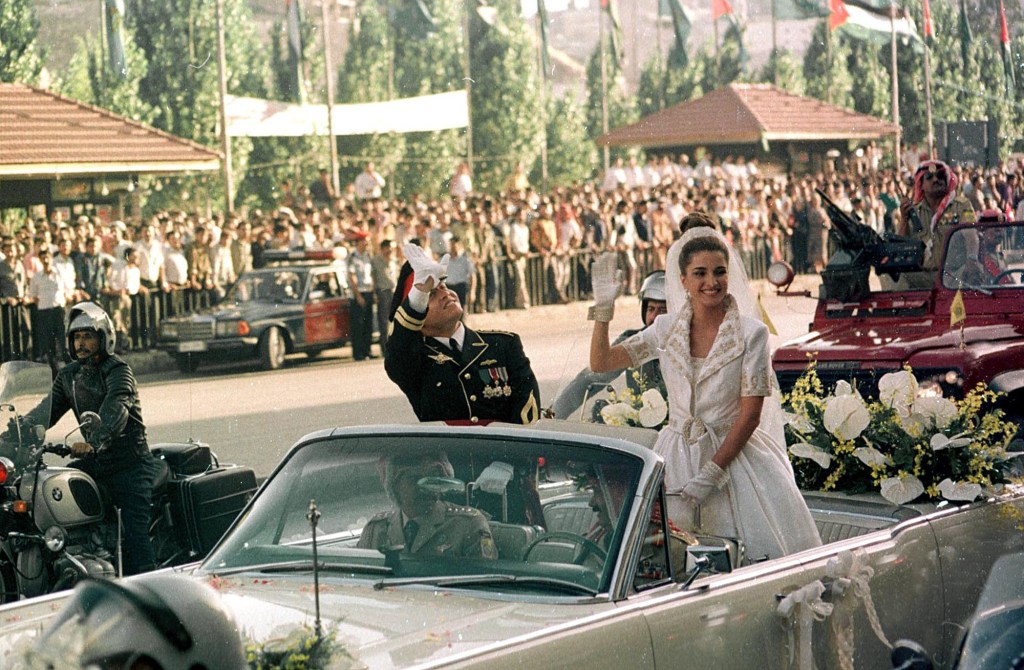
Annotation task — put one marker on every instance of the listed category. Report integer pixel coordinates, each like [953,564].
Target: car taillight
[6,470]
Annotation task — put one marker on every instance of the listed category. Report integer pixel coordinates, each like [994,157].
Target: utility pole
[222,84]
[329,76]
[468,78]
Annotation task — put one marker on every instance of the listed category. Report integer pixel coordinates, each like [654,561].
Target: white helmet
[90,316]
[653,288]
[167,619]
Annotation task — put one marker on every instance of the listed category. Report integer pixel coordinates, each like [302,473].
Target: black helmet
[653,288]
[90,316]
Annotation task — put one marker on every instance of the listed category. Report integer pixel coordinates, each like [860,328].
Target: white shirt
[462,185]
[175,266]
[65,267]
[368,185]
[124,277]
[47,289]
[613,178]
[151,259]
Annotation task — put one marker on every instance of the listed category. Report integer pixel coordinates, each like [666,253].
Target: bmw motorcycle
[56,526]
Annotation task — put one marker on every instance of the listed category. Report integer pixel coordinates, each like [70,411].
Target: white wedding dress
[760,504]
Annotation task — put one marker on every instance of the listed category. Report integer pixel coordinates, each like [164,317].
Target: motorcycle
[56,526]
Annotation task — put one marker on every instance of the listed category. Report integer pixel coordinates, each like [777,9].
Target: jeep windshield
[985,257]
[272,285]
[468,511]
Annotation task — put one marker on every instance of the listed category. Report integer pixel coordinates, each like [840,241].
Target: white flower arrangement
[648,409]
[904,445]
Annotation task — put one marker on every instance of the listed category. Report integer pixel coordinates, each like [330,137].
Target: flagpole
[604,81]
[895,90]
[928,102]
[103,53]
[222,85]
[775,44]
[467,75]
[543,107]
[329,76]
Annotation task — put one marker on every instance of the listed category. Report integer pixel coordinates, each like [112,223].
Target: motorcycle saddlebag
[185,458]
[204,506]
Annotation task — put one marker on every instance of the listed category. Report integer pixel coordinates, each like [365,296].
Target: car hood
[250,311]
[403,627]
[879,342]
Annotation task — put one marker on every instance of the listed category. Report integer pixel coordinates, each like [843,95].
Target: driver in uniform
[115,454]
[422,523]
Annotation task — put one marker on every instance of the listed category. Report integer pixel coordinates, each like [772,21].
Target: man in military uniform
[647,376]
[447,371]
[423,523]
[936,207]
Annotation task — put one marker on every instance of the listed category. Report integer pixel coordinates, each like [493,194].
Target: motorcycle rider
[116,454]
[156,622]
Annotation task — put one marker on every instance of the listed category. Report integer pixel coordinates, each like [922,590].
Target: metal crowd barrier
[495,290]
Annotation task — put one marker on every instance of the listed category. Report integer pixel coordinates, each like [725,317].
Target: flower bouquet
[644,407]
[909,443]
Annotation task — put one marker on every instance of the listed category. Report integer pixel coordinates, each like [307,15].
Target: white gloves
[494,478]
[426,273]
[708,480]
[604,277]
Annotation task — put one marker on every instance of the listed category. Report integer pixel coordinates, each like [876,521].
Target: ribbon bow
[806,605]
[851,574]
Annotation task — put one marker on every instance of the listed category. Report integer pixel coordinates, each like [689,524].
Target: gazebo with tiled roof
[54,150]
[756,120]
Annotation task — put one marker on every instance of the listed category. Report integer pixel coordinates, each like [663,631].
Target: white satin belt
[693,428]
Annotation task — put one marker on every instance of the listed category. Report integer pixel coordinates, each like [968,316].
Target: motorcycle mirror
[89,420]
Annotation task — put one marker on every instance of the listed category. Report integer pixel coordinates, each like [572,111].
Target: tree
[21,60]
[782,70]
[89,79]
[683,80]
[650,91]
[505,95]
[430,64]
[571,154]
[180,44]
[828,77]
[873,92]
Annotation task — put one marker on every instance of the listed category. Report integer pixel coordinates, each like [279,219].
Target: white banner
[253,117]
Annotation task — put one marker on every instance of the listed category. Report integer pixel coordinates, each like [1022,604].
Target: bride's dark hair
[699,244]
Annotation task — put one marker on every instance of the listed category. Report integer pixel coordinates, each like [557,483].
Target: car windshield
[985,257]
[274,286]
[486,511]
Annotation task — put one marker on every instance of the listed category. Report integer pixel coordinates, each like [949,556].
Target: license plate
[189,347]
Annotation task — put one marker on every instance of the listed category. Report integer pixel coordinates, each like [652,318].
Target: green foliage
[88,79]
[782,70]
[650,93]
[571,154]
[685,82]
[21,60]
[873,92]
[826,68]
[732,55]
[505,96]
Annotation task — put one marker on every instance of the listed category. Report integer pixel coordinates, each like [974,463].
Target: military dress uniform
[448,530]
[489,380]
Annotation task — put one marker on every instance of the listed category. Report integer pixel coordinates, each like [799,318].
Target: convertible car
[546,547]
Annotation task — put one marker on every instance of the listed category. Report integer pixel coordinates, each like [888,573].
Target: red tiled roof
[747,114]
[45,134]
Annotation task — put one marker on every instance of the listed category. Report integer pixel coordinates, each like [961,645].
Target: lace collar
[727,346]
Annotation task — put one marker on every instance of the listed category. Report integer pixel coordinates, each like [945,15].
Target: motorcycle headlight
[54,538]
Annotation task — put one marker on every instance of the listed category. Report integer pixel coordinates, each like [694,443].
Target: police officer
[156,622]
[647,376]
[447,371]
[935,208]
[116,454]
[424,524]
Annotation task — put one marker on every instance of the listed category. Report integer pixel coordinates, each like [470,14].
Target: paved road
[254,417]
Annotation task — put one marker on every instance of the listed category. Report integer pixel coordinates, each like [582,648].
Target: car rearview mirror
[718,559]
[440,485]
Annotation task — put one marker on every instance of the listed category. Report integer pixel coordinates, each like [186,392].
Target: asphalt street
[254,417]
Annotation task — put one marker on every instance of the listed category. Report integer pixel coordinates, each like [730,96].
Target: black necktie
[409,531]
[453,344]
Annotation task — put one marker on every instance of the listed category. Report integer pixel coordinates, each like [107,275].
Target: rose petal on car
[899,490]
[846,416]
[816,454]
[654,410]
[870,456]
[951,490]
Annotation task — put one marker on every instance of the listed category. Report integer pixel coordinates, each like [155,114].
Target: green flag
[965,35]
[545,59]
[734,31]
[115,37]
[682,22]
[1004,39]
[612,9]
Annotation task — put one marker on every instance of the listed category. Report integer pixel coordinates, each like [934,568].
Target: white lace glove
[494,478]
[708,480]
[605,280]
[426,273]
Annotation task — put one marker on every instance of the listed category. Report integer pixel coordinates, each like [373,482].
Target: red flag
[837,14]
[1004,33]
[929,30]
[720,8]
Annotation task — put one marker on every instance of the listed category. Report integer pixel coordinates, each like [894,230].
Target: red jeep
[860,334]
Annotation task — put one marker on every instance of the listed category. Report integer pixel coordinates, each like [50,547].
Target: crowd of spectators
[512,249]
